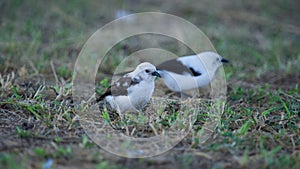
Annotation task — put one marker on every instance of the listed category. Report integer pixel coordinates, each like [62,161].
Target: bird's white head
[145,71]
[212,61]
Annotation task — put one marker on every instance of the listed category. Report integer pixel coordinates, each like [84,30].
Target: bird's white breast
[141,93]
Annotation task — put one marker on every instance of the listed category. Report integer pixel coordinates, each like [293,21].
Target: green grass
[258,129]
[9,161]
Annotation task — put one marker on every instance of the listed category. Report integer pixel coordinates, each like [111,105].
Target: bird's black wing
[195,73]
[118,88]
[177,67]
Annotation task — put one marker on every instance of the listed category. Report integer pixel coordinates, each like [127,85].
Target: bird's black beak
[155,73]
[224,60]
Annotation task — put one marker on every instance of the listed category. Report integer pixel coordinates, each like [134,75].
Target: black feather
[118,88]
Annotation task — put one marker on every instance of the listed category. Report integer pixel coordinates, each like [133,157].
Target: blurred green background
[259,36]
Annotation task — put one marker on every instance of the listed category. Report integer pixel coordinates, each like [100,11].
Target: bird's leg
[122,117]
[120,114]
[172,93]
[179,94]
[185,95]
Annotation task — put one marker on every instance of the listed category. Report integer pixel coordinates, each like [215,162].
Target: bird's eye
[147,71]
